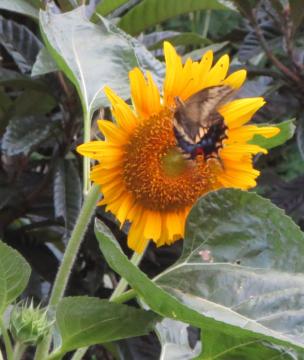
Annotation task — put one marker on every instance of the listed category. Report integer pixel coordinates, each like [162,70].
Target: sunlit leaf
[44,63]
[203,293]
[103,60]
[242,264]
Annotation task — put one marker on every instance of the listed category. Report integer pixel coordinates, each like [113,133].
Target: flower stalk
[69,259]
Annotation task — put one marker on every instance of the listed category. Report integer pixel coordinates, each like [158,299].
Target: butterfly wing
[193,117]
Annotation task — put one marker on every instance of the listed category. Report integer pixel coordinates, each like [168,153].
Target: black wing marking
[193,117]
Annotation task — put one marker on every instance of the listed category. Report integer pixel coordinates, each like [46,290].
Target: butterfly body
[198,126]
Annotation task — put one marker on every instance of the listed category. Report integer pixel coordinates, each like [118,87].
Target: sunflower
[144,176]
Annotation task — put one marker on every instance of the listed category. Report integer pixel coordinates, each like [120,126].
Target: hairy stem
[69,259]
[7,341]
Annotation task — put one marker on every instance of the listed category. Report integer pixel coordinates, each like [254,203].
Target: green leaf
[20,43]
[219,346]
[41,103]
[242,264]
[198,53]
[22,134]
[20,6]
[104,59]
[146,61]
[105,7]
[177,292]
[44,63]
[16,80]
[245,7]
[14,275]
[85,321]
[287,131]
[67,193]
[184,39]
[152,12]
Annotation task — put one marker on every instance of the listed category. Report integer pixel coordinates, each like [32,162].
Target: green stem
[7,342]
[125,296]
[86,160]
[69,259]
[123,284]
[79,353]
[206,23]
[19,350]
[118,296]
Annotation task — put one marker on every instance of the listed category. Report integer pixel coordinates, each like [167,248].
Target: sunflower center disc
[157,174]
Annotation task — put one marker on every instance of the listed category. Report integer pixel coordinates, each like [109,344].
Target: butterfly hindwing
[193,117]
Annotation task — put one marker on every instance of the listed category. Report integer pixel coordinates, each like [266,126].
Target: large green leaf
[14,275]
[44,63]
[242,264]
[85,321]
[183,39]
[151,12]
[105,7]
[218,346]
[287,129]
[19,6]
[20,43]
[90,55]
[67,193]
[169,295]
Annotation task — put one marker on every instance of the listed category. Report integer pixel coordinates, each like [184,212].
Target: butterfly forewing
[193,117]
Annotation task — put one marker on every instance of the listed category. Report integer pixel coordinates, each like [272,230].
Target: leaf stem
[69,259]
[86,160]
[79,353]
[19,350]
[7,341]
[123,284]
[206,23]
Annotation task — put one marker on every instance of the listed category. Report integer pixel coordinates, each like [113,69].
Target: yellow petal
[246,133]
[112,132]
[173,72]
[236,79]
[218,73]
[136,240]
[121,111]
[240,111]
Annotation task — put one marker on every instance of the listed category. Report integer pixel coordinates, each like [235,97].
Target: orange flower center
[156,172]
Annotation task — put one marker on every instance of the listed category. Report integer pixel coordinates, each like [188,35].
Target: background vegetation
[41,123]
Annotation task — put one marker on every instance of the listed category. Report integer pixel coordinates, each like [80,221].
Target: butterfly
[198,126]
